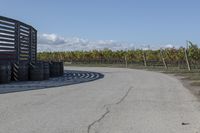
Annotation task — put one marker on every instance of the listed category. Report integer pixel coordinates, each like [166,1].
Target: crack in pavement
[108,111]
[93,123]
[122,99]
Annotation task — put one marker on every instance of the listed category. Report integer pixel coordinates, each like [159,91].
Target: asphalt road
[124,101]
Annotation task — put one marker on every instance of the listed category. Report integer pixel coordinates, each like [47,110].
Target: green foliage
[193,52]
[171,55]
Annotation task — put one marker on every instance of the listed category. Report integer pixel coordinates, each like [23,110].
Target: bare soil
[192,85]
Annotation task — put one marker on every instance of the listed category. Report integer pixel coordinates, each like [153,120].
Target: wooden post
[144,58]
[126,61]
[186,58]
[163,59]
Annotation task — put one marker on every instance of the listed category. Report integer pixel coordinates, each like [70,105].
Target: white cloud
[50,39]
[169,46]
[53,42]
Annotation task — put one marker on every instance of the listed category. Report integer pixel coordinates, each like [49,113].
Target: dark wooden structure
[18,41]
[18,47]
[18,54]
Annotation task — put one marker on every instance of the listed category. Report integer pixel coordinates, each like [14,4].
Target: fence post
[163,59]
[126,61]
[144,58]
[186,58]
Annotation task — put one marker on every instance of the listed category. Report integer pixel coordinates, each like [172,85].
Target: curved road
[124,101]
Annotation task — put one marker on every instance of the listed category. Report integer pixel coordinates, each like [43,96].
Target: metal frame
[18,41]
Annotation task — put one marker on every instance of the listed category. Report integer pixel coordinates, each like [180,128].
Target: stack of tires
[46,70]
[20,71]
[36,71]
[39,71]
[5,73]
[56,69]
[61,68]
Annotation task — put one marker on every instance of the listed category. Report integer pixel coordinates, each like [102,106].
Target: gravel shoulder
[195,90]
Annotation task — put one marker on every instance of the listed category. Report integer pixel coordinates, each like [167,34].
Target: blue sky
[123,22]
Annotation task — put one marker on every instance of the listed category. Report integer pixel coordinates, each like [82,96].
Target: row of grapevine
[170,56]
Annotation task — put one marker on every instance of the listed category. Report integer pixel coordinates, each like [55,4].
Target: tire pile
[38,71]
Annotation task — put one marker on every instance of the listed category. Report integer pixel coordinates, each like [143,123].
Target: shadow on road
[70,77]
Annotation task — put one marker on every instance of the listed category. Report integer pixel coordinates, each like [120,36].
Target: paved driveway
[124,101]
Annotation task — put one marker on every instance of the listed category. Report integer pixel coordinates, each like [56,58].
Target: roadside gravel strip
[123,101]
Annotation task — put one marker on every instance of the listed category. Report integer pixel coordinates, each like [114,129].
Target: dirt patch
[192,85]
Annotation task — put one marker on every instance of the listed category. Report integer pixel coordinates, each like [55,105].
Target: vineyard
[183,58]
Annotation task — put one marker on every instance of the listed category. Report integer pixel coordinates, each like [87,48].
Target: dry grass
[195,83]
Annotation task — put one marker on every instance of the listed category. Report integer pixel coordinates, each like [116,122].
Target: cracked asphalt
[124,101]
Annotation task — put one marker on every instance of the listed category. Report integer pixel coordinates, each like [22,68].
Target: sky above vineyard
[114,24]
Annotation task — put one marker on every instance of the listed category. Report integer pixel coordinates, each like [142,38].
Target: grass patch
[189,75]
[196,83]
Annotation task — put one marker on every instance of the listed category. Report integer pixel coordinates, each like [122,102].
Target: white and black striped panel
[7,39]
[33,44]
[18,41]
[24,39]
